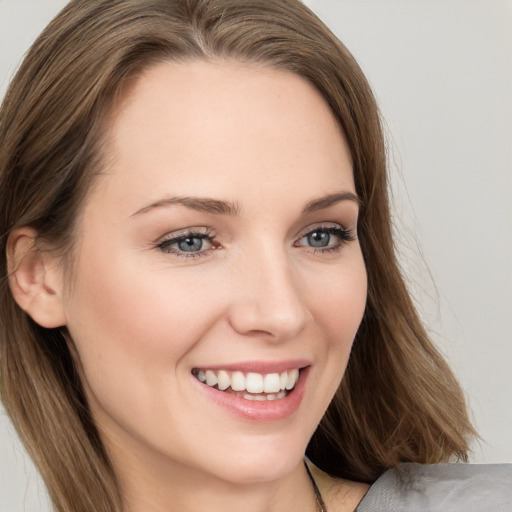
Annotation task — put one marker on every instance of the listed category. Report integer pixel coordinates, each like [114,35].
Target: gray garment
[441,488]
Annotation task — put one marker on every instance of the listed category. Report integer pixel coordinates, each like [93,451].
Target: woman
[191,265]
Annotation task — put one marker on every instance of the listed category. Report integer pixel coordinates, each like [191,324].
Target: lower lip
[264,411]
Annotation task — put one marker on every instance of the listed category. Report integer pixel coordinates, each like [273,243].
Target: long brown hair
[398,400]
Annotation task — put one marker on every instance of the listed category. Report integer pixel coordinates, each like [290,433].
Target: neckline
[322,507]
[320,501]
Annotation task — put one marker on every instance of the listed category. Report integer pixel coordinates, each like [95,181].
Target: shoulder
[441,488]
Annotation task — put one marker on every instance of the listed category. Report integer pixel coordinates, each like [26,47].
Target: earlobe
[35,278]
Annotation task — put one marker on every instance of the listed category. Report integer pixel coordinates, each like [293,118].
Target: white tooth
[211,378]
[201,376]
[254,383]
[271,383]
[237,381]
[293,375]
[224,380]
[283,379]
[255,398]
[282,394]
[272,396]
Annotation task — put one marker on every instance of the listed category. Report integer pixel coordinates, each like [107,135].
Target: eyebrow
[202,204]
[330,200]
[218,207]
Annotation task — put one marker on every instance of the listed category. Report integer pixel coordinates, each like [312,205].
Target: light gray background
[442,72]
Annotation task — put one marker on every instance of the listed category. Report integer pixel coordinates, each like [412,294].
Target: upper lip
[263,367]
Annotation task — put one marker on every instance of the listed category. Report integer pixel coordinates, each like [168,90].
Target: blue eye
[318,239]
[188,244]
[326,238]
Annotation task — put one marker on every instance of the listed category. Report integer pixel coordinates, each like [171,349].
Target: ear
[35,278]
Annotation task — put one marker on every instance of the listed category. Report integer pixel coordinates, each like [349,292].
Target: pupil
[190,244]
[319,239]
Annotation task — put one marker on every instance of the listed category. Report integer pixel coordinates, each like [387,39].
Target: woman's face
[220,243]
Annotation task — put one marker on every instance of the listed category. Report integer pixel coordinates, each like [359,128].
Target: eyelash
[344,235]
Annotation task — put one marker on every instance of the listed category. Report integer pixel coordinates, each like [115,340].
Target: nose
[268,300]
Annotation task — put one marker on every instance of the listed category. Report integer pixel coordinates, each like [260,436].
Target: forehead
[201,128]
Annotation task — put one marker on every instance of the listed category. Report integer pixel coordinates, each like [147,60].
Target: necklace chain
[319,500]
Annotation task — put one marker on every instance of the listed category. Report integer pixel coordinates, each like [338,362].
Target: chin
[248,471]
[262,461]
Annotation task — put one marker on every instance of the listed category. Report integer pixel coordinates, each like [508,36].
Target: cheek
[338,305]
[135,333]
[131,325]
[337,300]
[338,308]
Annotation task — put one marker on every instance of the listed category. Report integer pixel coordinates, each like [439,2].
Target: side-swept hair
[398,400]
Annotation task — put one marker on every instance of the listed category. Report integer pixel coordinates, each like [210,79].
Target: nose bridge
[270,299]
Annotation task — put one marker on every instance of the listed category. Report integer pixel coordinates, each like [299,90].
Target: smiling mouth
[251,385]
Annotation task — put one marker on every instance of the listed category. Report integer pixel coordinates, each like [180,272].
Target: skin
[142,316]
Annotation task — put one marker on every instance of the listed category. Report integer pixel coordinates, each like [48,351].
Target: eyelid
[182,233]
[325,226]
